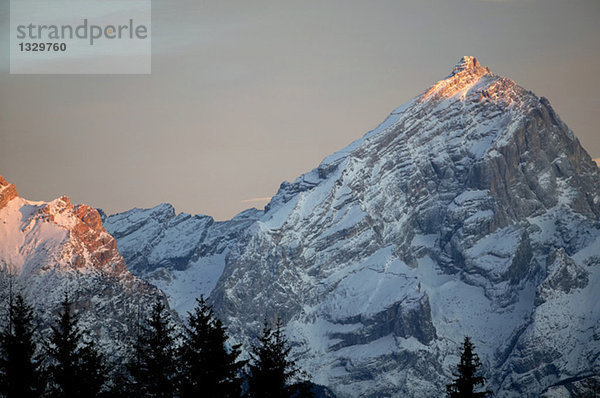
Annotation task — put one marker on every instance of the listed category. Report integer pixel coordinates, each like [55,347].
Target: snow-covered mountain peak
[471,209]
[49,248]
[463,118]
[73,234]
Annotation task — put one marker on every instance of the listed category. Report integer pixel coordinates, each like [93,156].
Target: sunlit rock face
[471,210]
[48,249]
[7,192]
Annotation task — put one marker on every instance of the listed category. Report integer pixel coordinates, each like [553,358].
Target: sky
[246,94]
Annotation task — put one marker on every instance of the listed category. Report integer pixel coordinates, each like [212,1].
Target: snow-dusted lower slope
[471,210]
[49,248]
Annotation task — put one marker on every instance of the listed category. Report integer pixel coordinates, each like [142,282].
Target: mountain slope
[48,249]
[471,210]
[183,255]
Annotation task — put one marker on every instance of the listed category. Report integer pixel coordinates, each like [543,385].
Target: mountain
[48,249]
[471,210]
[183,255]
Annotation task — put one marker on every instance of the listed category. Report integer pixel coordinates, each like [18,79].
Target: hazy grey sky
[246,94]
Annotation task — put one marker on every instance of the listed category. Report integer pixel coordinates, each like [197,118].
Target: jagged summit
[465,74]
[469,64]
[31,229]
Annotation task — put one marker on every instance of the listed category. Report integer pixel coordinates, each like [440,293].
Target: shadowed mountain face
[471,210]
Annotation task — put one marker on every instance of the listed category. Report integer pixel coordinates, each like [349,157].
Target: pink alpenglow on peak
[40,236]
[465,74]
[469,65]
[7,192]
[49,248]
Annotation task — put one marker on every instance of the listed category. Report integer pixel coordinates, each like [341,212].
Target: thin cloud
[254,200]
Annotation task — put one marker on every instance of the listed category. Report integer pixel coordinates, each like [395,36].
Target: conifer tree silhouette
[21,375]
[77,367]
[271,369]
[467,380]
[208,367]
[153,368]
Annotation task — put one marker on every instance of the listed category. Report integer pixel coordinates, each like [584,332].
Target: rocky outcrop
[402,319]
[96,240]
[563,276]
[7,192]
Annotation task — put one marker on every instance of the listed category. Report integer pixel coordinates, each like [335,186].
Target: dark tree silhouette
[271,369]
[466,380]
[77,368]
[153,368]
[92,370]
[20,369]
[208,367]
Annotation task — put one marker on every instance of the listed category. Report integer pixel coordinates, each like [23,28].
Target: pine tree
[92,370]
[271,370]
[209,368]
[153,368]
[77,367]
[20,369]
[466,376]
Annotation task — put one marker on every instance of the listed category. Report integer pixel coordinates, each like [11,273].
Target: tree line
[163,363]
[199,362]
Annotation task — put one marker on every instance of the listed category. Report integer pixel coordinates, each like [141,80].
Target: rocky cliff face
[7,192]
[471,210]
[49,248]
